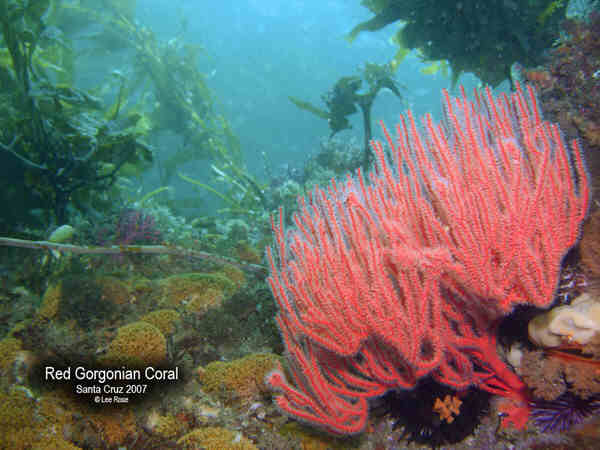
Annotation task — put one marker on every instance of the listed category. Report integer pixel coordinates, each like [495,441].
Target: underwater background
[189,257]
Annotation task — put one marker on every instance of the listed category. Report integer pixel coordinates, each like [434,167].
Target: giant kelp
[52,134]
[483,37]
[347,96]
[70,144]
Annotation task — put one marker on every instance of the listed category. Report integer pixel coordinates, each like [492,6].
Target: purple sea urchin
[413,413]
[564,412]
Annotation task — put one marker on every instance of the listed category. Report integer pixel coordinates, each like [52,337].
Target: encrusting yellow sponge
[575,323]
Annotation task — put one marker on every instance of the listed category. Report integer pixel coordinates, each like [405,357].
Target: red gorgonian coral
[407,275]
